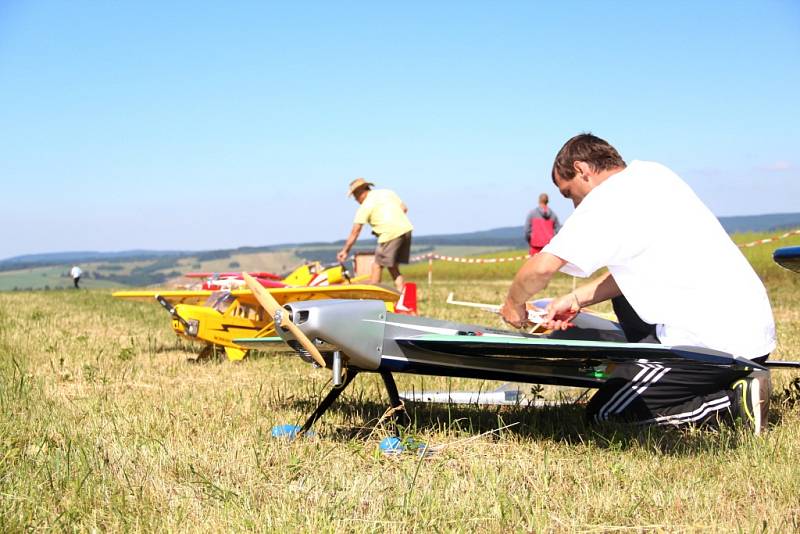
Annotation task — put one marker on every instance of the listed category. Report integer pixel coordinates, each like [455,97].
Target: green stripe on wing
[257,343]
[536,341]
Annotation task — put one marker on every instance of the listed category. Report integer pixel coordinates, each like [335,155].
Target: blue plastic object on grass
[395,445]
[392,445]
[288,431]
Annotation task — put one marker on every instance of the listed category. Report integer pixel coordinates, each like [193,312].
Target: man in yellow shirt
[386,213]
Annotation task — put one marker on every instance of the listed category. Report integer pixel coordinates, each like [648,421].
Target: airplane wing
[228,284]
[282,295]
[300,294]
[567,349]
[560,362]
[188,296]
[237,274]
[788,257]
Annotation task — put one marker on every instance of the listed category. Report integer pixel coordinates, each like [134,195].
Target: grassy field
[107,423]
[57,277]
[45,278]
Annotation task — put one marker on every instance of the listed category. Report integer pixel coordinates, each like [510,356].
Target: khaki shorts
[393,252]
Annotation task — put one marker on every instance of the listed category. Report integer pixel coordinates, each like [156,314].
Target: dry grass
[106,424]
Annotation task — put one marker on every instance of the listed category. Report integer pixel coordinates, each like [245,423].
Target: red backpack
[542,231]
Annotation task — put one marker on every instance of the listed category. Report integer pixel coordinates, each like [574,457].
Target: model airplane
[788,257]
[350,337]
[312,274]
[229,281]
[216,318]
[537,310]
[237,274]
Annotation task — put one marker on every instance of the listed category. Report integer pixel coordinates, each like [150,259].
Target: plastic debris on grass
[289,432]
[395,446]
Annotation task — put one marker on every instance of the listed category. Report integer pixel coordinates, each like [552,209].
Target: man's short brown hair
[596,152]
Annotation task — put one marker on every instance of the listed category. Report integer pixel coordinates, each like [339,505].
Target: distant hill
[61,258]
[506,237]
[760,223]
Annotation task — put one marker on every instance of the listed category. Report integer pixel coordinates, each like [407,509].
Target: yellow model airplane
[219,317]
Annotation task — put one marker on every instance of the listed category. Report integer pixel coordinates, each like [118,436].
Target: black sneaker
[751,400]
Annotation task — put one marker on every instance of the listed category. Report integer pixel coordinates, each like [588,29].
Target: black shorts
[394,252]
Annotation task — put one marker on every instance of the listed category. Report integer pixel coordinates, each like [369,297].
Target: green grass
[446,270]
[107,424]
[46,278]
[760,257]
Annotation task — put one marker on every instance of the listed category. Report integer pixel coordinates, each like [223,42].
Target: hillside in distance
[151,267]
[504,237]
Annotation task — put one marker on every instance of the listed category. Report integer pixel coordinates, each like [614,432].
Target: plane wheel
[207,353]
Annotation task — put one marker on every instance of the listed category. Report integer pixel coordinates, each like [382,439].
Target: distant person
[75,273]
[679,281]
[386,213]
[541,225]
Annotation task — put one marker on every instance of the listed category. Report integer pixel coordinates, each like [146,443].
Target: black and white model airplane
[350,337]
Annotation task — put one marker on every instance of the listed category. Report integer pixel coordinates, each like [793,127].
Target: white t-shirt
[671,259]
[75,272]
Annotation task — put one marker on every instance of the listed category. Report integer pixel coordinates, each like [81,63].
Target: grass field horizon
[139,273]
[107,422]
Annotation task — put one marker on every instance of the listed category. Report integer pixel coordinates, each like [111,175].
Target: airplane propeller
[280,316]
[346,273]
[174,313]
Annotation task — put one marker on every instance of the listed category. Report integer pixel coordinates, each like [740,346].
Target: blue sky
[200,125]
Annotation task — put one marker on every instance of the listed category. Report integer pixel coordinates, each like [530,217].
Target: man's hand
[341,256]
[532,277]
[514,314]
[561,311]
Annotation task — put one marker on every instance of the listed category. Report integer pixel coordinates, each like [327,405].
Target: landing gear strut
[333,394]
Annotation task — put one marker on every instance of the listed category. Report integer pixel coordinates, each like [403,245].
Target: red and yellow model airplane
[312,274]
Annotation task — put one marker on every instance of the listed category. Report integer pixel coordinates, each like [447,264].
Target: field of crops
[108,422]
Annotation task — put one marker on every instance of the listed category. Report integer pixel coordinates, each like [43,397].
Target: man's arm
[598,290]
[534,276]
[351,239]
[602,288]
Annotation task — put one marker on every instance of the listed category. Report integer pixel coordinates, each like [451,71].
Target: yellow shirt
[383,210]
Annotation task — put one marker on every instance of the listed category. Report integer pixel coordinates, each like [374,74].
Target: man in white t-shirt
[76,273]
[674,277]
[386,214]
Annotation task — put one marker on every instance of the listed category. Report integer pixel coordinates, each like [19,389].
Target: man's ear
[582,168]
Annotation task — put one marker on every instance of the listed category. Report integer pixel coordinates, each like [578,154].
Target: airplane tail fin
[407,303]
[235,354]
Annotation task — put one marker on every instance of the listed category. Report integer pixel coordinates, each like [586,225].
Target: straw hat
[357,184]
